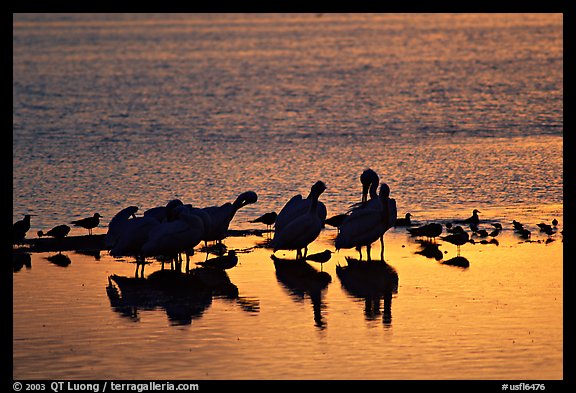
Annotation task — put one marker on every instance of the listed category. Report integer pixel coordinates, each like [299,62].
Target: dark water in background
[453,111]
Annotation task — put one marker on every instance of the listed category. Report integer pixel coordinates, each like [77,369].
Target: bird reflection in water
[301,279]
[372,281]
[184,296]
[59,259]
[21,259]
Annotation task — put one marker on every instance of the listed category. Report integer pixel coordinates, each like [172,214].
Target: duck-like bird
[58,232]
[365,226]
[88,223]
[474,219]
[404,222]
[221,216]
[303,229]
[20,228]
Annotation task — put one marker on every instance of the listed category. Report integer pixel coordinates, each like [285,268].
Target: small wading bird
[267,219]
[302,230]
[20,228]
[222,262]
[458,238]
[430,231]
[88,223]
[321,258]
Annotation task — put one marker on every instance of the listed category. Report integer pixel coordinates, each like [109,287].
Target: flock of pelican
[177,228]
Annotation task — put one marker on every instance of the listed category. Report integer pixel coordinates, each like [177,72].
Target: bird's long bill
[365,188]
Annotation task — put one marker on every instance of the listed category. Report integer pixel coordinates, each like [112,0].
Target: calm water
[455,112]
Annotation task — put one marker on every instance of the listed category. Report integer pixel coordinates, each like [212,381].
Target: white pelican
[365,226]
[132,237]
[221,216]
[171,238]
[116,223]
[88,223]
[164,213]
[296,207]
[370,181]
[302,230]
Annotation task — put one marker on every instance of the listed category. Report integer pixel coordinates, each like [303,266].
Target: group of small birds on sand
[177,228]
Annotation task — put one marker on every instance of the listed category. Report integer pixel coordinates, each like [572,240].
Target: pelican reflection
[301,279]
[183,296]
[374,282]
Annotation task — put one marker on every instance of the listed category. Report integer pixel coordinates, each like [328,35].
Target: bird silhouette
[298,233]
[222,262]
[296,207]
[431,230]
[365,226]
[404,222]
[474,219]
[20,228]
[58,232]
[336,221]
[88,223]
[458,238]
[267,218]
[221,216]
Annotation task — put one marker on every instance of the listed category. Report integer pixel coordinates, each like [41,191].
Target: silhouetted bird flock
[176,228]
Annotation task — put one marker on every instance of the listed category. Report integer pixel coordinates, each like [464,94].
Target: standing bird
[223,262]
[370,181]
[302,230]
[164,213]
[221,216]
[268,219]
[430,230]
[58,232]
[20,228]
[115,226]
[555,222]
[88,223]
[458,238]
[297,207]
[365,226]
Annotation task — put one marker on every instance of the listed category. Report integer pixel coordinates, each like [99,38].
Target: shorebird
[88,223]
[554,222]
[221,216]
[298,233]
[268,219]
[320,257]
[58,232]
[222,262]
[474,219]
[336,221]
[404,222]
[431,230]
[458,238]
[20,228]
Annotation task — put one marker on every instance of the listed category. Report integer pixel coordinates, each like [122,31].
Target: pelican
[20,228]
[171,238]
[164,213]
[88,223]
[133,236]
[365,226]
[303,229]
[116,223]
[370,181]
[221,216]
[296,207]
[58,232]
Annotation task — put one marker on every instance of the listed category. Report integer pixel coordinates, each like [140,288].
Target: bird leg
[368,253]
[359,249]
[382,248]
